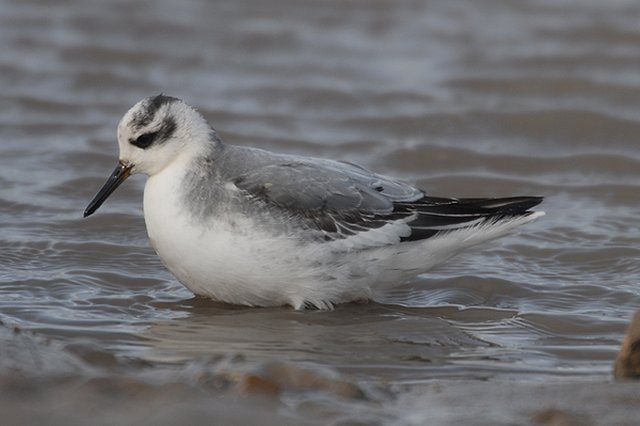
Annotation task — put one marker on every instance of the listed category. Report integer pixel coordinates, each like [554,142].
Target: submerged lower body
[265,271]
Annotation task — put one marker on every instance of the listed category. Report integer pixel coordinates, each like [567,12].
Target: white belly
[238,264]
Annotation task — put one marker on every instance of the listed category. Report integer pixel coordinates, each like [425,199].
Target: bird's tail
[437,215]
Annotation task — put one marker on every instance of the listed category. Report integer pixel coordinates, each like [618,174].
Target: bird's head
[154,133]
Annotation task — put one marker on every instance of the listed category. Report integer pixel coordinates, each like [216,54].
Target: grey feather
[320,185]
[341,199]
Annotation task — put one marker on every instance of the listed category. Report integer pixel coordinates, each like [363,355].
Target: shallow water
[466,98]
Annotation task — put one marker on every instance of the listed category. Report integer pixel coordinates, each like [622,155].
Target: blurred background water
[465,98]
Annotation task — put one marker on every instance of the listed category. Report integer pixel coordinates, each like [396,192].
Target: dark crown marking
[151,107]
[160,136]
[143,118]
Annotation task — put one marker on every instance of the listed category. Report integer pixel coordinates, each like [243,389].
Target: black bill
[118,176]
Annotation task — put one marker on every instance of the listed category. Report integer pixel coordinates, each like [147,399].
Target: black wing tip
[510,205]
[527,202]
[438,215]
[536,200]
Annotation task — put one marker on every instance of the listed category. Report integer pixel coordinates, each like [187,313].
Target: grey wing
[343,199]
[340,199]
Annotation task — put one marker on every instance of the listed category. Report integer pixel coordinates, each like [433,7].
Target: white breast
[232,263]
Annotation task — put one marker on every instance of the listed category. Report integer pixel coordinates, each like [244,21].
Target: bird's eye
[143,141]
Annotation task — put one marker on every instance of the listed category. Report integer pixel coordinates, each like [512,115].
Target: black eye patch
[143,141]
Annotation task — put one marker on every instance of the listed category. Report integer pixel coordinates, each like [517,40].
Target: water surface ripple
[462,98]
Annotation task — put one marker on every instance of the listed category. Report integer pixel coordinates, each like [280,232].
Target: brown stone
[556,417]
[296,378]
[628,362]
[253,384]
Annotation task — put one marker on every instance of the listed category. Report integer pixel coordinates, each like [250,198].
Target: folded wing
[342,200]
